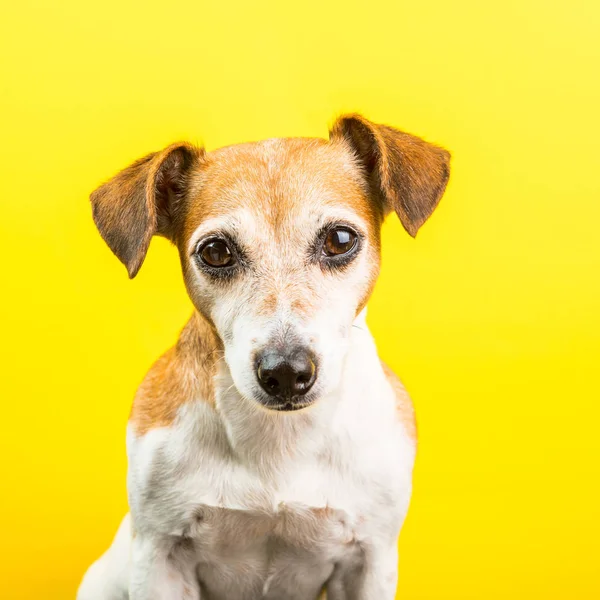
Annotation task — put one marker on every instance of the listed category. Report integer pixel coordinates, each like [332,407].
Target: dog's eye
[339,241]
[216,254]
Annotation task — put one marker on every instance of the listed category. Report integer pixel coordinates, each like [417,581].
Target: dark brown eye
[216,254]
[339,241]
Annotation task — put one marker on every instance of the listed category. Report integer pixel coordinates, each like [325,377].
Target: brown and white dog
[270,451]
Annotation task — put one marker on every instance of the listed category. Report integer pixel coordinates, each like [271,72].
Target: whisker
[227,390]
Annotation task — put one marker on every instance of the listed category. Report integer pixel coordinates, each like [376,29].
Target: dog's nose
[285,374]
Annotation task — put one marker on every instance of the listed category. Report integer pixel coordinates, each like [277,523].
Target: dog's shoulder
[183,374]
[404,405]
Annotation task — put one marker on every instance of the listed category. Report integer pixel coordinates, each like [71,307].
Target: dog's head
[279,241]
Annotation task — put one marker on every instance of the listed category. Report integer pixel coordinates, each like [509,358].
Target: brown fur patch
[272,177]
[268,305]
[183,374]
[301,306]
[404,405]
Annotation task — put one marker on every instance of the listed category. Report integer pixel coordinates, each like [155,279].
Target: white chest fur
[268,505]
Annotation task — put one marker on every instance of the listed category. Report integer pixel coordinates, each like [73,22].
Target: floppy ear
[142,200]
[405,173]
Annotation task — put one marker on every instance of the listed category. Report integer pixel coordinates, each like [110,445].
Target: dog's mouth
[292,404]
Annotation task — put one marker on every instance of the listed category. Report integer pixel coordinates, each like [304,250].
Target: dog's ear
[141,201]
[405,173]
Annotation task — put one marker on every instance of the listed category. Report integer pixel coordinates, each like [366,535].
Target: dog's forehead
[281,180]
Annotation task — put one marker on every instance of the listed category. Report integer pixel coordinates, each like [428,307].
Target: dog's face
[279,241]
[280,250]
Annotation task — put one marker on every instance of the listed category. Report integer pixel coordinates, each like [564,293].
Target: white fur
[253,476]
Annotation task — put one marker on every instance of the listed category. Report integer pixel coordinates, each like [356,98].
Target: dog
[270,450]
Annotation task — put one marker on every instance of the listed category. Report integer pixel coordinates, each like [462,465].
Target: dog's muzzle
[286,376]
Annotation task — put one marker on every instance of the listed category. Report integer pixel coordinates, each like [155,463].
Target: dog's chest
[253,537]
[271,533]
[284,543]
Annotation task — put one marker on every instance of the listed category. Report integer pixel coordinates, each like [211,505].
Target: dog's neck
[268,439]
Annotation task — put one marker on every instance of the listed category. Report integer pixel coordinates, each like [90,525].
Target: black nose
[286,374]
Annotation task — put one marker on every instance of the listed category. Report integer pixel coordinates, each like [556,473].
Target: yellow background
[491,317]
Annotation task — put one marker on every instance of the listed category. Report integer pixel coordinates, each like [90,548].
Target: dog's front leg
[375,579]
[162,570]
